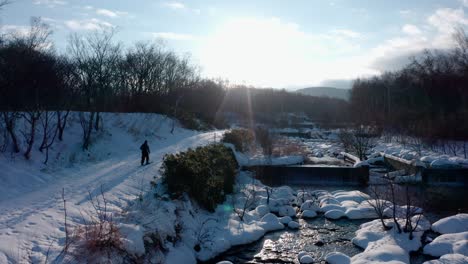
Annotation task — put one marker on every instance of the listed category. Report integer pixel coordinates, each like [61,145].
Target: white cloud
[87,24]
[15,29]
[110,13]
[464,2]
[50,3]
[435,33]
[410,29]
[446,19]
[175,5]
[172,36]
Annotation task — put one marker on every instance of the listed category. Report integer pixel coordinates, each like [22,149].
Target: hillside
[325,91]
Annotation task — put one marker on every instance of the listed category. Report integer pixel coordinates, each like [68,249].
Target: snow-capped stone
[334,214]
[294,225]
[330,207]
[301,254]
[309,214]
[449,259]
[285,220]
[224,262]
[262,210]
[270,222]
[287,210]
[448,244]
[452,224]
[337,258]
[309,205]
[306,259]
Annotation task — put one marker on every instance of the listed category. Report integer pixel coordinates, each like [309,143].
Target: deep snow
[32,218]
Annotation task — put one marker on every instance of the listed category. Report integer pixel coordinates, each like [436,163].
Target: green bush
[242,139]
[207,174]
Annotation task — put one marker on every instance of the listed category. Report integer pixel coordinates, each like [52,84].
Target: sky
[270,43]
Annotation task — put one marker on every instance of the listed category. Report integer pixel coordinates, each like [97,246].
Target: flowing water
[320,236]
[317,236]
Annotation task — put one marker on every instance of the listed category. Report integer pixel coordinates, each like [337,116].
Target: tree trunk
[27,153]
[96,125]
[61,123]
[87,132]
[10,126]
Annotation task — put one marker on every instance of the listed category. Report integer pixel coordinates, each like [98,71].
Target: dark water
[317,236]
[284,245]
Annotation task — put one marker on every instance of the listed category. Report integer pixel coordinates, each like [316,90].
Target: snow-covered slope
[31,219]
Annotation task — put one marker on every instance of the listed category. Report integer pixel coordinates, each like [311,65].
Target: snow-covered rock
[308,214]
[225,262]
[452,224]
[301,254]
[337,258]
[448,244]
[330,207]
[262,210]
[361,213]
[334,214]
[356,196]
[270,222]
[449,259]
[285,219]
[306,259]
[309,205]
[287,210]
[294,225]
[382,245]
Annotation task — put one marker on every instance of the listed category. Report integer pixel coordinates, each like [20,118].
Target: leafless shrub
[247,197]
[96,238]
[379,204]
[358,141]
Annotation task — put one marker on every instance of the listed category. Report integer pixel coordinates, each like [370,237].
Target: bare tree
[379,204]
[49,132]
[31,117]
[9,119]
[358,141]
[247,197]
[96,59]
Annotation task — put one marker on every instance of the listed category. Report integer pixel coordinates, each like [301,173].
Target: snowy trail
[33,222]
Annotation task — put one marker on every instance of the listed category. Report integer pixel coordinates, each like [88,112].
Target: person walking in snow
[145,151]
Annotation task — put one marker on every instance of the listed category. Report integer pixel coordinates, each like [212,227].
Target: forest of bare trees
[98,74]
[427,99]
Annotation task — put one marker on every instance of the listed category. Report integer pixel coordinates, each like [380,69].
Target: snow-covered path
[33,222]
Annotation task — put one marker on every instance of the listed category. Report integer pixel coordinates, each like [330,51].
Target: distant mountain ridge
[325,92]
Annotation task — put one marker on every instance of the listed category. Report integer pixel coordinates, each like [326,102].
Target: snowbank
[449,259]
[386,245]
[337,258]
[452,224]
[448,244]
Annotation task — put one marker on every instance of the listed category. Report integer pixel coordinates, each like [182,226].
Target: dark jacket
[145,148]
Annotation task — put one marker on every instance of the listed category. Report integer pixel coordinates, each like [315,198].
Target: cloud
[174,5]
[15,29]
[435,33]
[410,29]
[50,3]
[172,36]
[110,13]
[446,19]
[87,24]
[464,2]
